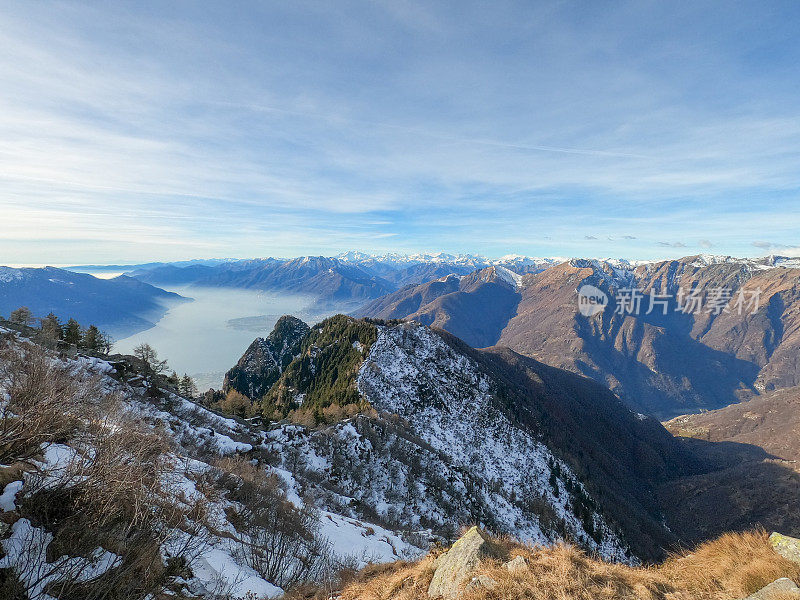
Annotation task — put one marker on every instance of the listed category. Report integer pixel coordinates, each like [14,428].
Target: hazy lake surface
[206,337]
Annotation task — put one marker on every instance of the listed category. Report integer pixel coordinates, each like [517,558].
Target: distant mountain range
[345,281]
[660,364]
[474,307]
[121,306]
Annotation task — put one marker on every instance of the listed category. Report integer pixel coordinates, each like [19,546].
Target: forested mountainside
[415,424]
[661,364]
[266,358]
[121,305]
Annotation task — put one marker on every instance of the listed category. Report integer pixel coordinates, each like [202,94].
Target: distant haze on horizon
[87,268]
[141,131]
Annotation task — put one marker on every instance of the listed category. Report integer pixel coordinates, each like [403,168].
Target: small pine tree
[187,386]
[91,340]
[51,328]
[72,332]
[22,316]
[149,355]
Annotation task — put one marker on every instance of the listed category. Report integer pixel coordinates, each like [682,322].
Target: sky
[151,130]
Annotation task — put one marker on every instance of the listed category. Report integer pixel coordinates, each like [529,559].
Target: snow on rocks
[26,554]
[412,372]
[8,496]
[199,437]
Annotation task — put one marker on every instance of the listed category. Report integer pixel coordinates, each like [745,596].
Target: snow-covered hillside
[206,462]
[437,453]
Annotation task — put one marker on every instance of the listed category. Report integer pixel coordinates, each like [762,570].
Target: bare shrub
[101,511]
[41,400]
[280,541]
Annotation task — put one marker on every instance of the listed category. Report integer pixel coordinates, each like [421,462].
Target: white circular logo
[591,300]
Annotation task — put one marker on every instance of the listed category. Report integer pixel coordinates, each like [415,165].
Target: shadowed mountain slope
[121,305]
[661,364]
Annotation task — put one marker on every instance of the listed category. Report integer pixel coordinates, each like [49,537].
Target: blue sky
[171,130]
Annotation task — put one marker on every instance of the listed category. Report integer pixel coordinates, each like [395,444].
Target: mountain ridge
[121,305]
[665,365]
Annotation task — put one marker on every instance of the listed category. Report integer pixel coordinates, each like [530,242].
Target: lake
[206,337]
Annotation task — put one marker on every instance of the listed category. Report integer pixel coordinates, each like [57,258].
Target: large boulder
[456,566]
[785,587]
[787,547]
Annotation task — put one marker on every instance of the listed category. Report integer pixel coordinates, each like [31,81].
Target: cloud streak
[151,132]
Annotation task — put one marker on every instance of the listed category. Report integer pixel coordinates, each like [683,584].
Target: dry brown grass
[733,566]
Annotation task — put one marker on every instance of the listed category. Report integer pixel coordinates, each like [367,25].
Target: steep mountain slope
[112,486]
[474,307]
[662,364]
[755,446]
[651,361]
[266,358]
[122,305]
[770,422]
[447,435]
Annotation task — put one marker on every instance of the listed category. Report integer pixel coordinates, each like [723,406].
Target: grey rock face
[457,565]
[783,586]
[264,360]
[787,547]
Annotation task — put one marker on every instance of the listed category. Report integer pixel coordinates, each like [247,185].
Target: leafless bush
[99,513]
[119,489]
[41,400]
[280,541]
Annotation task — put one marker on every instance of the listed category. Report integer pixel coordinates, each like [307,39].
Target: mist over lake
[206,337]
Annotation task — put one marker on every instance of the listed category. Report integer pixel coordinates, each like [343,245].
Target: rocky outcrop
[782,588]
[787,547]
[456,566]
[516,565]
[265,359]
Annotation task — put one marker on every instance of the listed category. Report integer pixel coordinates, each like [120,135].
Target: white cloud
[287,127]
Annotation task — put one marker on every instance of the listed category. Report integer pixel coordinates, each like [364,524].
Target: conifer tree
[22,316]
[149,355]
[51,328]
[92,339]
[72,332]
[187,386]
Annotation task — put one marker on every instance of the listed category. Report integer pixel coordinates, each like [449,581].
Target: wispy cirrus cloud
[292,128]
